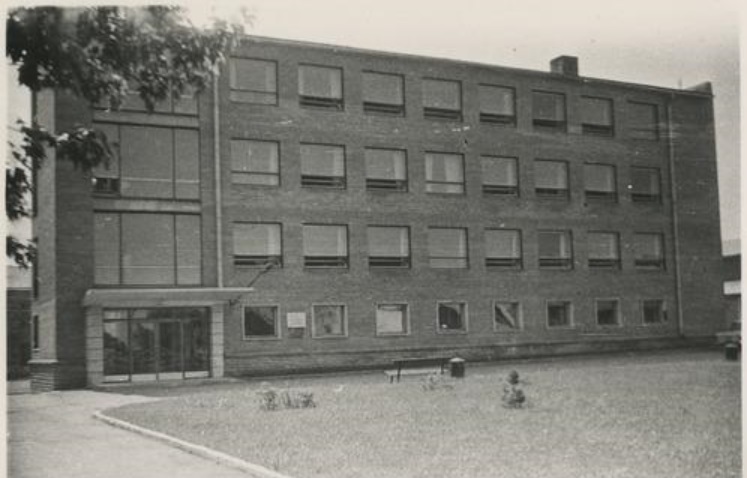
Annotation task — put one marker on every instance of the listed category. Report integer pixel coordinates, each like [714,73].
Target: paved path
[53,435]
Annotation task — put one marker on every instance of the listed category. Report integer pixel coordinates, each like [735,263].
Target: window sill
[329,337]
[386,336]
[262,339]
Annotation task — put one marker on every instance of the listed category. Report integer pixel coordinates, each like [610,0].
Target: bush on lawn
[513,395]
[271,399]
[435,381]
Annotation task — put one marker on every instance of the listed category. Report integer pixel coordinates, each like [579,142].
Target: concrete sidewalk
[54,435]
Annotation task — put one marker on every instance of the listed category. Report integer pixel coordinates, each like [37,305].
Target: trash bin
[732,351]
[457,367]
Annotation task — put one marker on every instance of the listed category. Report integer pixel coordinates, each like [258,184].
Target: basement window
[654,311]
[452,317]
[392,319]
[559,314]
[261,322]
[506,316]
[608,312]
[329,321]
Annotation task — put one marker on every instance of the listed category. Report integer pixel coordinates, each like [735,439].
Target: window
[654,311]
[649,251]
[503,248]
[559,314]
[253,81]
[320,87]
[444,173]
[596,116]
[551,179]
[388,246]
[643,121]
[500,176]
[150,162]
[257,244]
[604,250]
[186,104]
[497,104]
[325,246]
[383,93]
[555,249]
[645,185]
[386,169]
[506,316]
[255,162]
[548,111]
[329,321]
[452,317]
[391,319]
[442,99]
[261,322]
[35,344]
[323,165]
[608,312]
[447,248]
[600,183]
[147,249]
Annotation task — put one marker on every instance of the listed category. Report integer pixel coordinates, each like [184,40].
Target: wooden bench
[416,366]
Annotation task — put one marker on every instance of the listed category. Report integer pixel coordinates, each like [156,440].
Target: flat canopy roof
[163,297]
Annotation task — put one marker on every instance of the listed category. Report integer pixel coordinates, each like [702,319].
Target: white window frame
[519,316]
[571,314]
[278,329]
[465,319]
[407,322]
[618,312]
[315,335]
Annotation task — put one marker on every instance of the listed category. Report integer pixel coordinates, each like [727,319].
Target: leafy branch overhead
[102,55]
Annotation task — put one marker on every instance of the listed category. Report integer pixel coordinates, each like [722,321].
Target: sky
[658,42]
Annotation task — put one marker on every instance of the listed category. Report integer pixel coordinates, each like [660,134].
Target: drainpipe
[675,219]
[218,190]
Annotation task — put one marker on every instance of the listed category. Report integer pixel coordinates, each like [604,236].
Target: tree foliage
[101,55]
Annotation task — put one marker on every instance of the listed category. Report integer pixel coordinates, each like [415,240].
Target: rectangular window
[35,344]
[497,104]
[329,321]
[503,248]
[186,104]
[608,312]
[323,165]
[600,183]
[548,111]
[388,246]
[147,249]
[506,316]
[391,319]
[643,121]
[452,317]
[255,162]
[551,179]
[442,99]
[444,173]
[261,322]
[649,251]
[559,314]
[555,250]
[596,116]
[500,176]
[386,169]
[253,81]
[654,311]
[645,185]
[257,244]
[325,246]
[447,248]
[604,250]
[150,162]
[383,93]
[320,87]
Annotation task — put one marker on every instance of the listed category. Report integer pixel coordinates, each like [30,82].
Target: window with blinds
[323,166]
[442,99]
[320,87]
[325,246]
[253,81]
[386,169]
[383,93]
[596,116]
[255,162]
[603,250]
[600,183]
[447,248]
[257,244]
[649,250]
[551,179]
[555,250]
[643,120]
[497,104]
[503,249]
[499,176]
[444,173]
[548,111]
[388,247]
[645,185]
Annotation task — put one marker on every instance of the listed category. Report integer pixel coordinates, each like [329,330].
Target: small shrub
[435,381]
[268,399]
[513,395]
[271,399]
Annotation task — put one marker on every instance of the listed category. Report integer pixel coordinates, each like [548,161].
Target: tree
[101,54]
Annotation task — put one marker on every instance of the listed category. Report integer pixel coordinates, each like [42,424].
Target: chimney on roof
[565,65]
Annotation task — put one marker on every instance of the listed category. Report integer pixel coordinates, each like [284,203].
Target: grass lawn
[674,414]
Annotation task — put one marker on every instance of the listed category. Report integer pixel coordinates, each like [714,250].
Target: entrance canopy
[163,297]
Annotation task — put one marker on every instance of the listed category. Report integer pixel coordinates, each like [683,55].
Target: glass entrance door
[169,350]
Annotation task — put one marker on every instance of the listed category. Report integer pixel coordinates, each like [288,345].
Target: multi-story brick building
[382,205]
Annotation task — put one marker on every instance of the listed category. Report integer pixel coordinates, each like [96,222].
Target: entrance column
[216,340]
[94,346]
